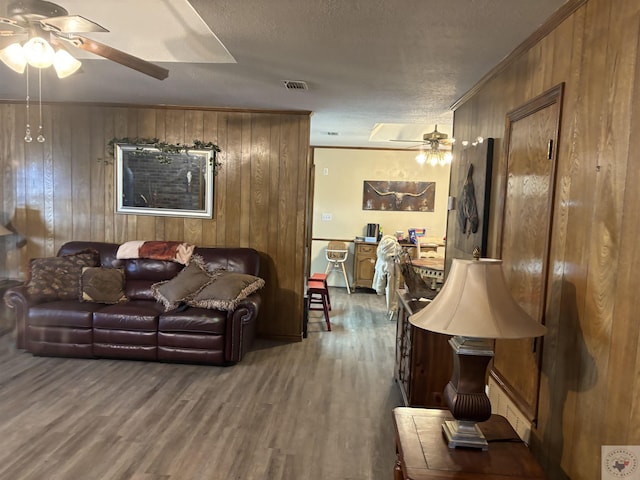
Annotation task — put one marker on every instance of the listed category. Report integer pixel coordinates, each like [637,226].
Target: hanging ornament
[40,138]
[27,134]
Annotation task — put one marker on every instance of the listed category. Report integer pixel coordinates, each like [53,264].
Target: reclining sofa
[140,323]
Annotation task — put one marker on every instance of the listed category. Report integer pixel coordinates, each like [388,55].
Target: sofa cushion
[226,290]
[142,274]
[133,315]
[193,320]
[102,285]
[62,313]
[58,278]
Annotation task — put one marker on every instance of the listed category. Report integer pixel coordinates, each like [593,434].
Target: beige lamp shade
[475,301]
[4,231]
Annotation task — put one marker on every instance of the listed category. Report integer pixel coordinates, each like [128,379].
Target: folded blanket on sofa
[179,252]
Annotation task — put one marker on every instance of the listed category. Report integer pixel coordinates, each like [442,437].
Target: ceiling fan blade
[71,24]
[117,56]
[5,41]
[405,141]
[10,27]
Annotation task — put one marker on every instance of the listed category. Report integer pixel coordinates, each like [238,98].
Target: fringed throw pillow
[185,284]
[226,290]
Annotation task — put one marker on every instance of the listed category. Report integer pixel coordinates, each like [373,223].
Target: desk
[423,453]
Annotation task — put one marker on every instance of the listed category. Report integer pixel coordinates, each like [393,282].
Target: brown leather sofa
[140,328]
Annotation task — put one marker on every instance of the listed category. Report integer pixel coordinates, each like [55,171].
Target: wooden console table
[423,453]
[423,359]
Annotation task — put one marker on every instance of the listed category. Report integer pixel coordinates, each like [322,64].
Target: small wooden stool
[317,294]
[322,277]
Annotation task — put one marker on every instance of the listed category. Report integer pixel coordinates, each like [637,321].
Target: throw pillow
[58,278]
[226,290]
[102,285]
[187,282]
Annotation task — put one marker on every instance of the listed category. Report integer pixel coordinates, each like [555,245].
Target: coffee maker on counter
[373,231]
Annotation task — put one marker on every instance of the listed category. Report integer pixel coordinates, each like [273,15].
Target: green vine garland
[165,150]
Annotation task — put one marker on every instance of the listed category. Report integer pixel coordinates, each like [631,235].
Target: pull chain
[40,137]
[27,135]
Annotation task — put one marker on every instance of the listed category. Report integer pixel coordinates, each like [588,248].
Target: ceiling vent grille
[295,85]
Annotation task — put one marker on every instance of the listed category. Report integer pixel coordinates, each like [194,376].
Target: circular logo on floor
[620,462]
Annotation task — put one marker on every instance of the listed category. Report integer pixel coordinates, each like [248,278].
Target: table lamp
[475,306]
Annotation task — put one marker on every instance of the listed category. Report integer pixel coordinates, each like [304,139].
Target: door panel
[532,133]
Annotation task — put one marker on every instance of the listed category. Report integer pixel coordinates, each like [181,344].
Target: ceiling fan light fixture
[65,64]
[38,52]
[13,57]
[434,157]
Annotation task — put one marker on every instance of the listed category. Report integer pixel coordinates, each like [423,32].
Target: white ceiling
[366,62]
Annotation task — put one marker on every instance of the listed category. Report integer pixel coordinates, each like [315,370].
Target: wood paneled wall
[590,394]
[63,189]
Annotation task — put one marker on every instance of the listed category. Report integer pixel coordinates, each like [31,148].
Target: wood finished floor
[317,409]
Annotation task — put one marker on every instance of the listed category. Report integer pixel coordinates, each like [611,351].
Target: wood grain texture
[591,348]
[67,190]
[525,236]
[423,453]
[312,410]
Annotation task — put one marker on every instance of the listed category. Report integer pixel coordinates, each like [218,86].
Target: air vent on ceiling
[295,85]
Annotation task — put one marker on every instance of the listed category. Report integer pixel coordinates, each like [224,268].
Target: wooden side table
[423,453]
[364,264]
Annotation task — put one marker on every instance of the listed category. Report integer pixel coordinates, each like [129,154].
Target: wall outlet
[327,217]
[325,171]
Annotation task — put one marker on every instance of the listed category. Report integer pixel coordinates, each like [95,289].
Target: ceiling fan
[435,140]
[38,19]
[434,148]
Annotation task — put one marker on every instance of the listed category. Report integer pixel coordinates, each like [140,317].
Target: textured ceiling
[365,61]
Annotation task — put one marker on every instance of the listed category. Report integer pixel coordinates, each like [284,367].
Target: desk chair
[336,255]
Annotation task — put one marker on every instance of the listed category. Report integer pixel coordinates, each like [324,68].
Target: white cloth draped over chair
[385,278]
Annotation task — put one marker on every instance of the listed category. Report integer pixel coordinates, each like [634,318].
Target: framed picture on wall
[470,187]
[176,184]
[398,196]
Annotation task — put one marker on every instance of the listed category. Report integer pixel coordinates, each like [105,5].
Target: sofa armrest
[18,299]
[241,327]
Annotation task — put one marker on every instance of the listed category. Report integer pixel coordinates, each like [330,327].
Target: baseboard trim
[501,404]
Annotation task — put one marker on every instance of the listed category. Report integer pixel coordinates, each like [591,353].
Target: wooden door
[531,139]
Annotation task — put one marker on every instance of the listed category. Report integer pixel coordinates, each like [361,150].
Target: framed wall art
[470,189]
[399,196]
[151,182]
